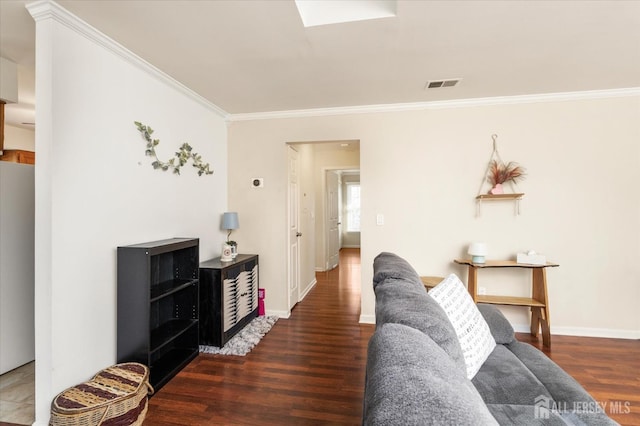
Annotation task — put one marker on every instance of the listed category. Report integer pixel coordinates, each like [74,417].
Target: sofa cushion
[508,414]
[547,414]
[472,330]
[504,379]
[410,380]
[565,391]
[401,302]
[501,329]
[389,265]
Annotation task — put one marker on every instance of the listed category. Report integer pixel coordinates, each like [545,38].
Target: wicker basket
[116,396]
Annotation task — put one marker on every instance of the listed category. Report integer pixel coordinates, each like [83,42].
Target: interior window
[353,207]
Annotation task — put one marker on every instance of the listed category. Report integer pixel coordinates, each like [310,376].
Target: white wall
[96,190]
[19,138]
[16,265]
[422,169]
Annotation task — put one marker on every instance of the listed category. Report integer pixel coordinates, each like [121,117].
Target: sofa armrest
[410,380]
[501,329]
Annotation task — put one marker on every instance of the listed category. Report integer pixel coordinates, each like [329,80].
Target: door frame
[317,236]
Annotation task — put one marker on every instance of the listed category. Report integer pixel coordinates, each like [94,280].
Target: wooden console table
[430,282]
[538,302]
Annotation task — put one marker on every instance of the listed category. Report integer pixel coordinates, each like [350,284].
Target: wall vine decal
[181,157]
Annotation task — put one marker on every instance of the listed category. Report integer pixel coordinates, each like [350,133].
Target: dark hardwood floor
[609,369]
[309,369]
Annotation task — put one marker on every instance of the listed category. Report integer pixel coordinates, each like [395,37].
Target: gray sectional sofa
[416,371]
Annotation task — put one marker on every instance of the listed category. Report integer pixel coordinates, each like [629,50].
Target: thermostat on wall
[257,182]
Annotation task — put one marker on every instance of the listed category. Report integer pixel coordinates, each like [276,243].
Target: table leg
[546,333]
[535,321]
[471,282]
[539,293]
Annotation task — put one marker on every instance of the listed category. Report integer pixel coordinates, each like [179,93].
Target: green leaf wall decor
[182,156]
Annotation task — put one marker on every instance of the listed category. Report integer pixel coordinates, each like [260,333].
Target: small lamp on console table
[229,222]
[478,252]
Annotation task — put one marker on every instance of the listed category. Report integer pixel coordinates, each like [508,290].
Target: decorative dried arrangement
[182,155]
[497,174]
[500,173]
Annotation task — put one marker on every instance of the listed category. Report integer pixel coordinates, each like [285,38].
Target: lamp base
[477,259]
[227,254]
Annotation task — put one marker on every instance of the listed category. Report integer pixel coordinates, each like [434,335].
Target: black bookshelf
[158,311]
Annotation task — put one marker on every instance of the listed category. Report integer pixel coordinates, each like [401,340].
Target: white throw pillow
[472,330]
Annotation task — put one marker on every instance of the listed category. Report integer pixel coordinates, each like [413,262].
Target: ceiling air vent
[434,84]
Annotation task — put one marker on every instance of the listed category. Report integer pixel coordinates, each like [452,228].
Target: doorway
[307,188]
[342,219]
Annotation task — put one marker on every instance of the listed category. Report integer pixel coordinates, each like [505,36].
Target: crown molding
[47,9]
[456,103]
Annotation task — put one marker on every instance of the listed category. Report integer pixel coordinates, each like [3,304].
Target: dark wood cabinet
[18,156]
[228,297]
[158,306]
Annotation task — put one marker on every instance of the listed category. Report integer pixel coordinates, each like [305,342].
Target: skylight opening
[323,12]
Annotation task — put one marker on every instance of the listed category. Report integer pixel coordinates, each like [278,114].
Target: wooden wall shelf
[500,196]
[516,197]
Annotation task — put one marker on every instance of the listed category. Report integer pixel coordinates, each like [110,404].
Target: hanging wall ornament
[498,175]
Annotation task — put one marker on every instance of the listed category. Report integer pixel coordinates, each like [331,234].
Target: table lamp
[229,222]
[478,252]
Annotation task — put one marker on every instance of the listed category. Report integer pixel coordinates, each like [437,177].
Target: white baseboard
[325,269]
[367,319]
[351,246]
[279,314]
[287,314]
[308,289]
[608,333]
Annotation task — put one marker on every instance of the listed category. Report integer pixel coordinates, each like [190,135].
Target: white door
[340,212]
[293,229]
[333,220]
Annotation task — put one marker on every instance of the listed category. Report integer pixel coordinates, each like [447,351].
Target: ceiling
[256,56]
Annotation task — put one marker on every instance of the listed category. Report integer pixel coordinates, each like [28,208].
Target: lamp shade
[230,220]
[478,251]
